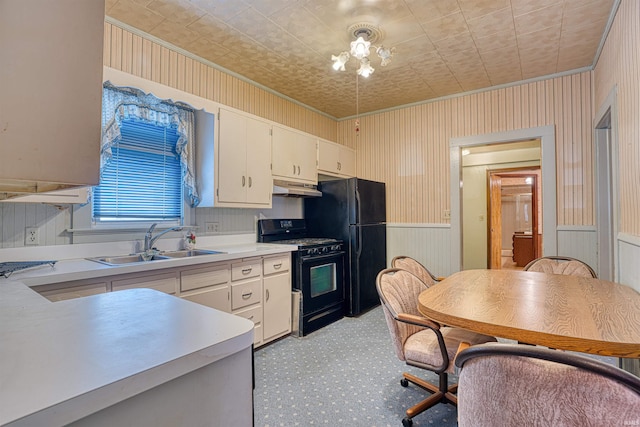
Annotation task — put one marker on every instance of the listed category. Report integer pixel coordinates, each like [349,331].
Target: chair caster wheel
[407,422]
[404,382]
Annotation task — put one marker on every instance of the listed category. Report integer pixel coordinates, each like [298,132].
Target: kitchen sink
[127,259]
[189,253]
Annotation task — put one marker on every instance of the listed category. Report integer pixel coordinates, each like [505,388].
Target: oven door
[321,279]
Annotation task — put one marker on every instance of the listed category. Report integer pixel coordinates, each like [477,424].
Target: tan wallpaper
[409,148]
[619,64]
[136,55]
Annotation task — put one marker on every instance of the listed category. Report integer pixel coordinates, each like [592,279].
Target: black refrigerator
[353,210]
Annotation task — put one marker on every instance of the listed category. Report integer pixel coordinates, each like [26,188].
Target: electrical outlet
[212,227]
[31,236]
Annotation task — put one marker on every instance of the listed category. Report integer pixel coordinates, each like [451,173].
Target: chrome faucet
[149,240]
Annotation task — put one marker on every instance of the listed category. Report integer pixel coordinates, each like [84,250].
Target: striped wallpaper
[409,148]
[144,58]
[619,65]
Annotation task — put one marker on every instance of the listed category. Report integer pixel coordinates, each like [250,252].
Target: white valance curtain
[121,103]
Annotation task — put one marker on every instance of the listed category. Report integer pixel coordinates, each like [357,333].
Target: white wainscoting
[430,244]
[580,242]
[629,260]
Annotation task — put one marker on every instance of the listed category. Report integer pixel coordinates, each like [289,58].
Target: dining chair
[415,267]
[419,341]
[536,386]
[561,265]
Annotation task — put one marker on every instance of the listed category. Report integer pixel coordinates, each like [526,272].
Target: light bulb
[365,69]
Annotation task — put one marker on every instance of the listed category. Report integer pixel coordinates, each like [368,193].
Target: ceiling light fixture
[366,35]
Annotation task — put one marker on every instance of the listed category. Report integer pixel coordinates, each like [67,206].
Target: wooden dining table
[557,311]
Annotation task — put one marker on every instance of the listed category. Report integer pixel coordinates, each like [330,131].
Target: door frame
[493,201]
[546,134]
[605,139]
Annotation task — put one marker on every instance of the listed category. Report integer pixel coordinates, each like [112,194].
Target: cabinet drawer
[252,313]
[246,293]
[167,282]
[218,297]
[246,269]
[203,277]
[277,264]
[74,292]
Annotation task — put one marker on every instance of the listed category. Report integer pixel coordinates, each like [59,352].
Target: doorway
[512,208]
[547,162]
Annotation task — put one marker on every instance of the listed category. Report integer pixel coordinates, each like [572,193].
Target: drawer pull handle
[277,266]
[267,292]
[247,295]
[247,270]
[250,317]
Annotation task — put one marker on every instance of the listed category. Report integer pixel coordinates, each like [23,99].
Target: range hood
[289,189]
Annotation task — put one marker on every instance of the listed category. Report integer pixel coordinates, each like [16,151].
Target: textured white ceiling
[443,47]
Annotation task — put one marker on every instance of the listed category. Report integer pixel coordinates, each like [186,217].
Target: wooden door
[495,222]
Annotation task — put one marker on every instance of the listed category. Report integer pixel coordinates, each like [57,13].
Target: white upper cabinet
[51,86]
[336,160]
[242,162]
[294,156]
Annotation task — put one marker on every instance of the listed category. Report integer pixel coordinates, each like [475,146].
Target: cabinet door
[51,74]
[347,162]
[259,180]
[276,306]
[336,159]
[232,157]
[328,156]
[294,156]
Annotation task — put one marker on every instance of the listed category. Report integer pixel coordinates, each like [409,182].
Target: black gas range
[317,271]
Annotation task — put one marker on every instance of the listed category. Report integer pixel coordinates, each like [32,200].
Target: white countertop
[67,270]
[62,361]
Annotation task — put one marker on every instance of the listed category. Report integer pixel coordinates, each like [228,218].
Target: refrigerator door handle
[359,249]
[358,204]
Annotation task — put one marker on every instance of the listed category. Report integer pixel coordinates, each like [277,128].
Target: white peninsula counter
[135,357]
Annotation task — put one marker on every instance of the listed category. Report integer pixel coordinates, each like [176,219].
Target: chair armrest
[418,321]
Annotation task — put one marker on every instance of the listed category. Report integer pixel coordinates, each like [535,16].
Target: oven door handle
[321,257]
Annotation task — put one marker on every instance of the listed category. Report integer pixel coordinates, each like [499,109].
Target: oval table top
[564,312]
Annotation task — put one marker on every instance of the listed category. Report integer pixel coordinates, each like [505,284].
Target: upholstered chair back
[413,266]
[526,389]
[560,265]
[399,292]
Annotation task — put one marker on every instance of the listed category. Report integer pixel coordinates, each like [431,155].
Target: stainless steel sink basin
[126,259]
[189,253]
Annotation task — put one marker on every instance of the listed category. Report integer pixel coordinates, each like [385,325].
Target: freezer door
[367,256]
[368,205]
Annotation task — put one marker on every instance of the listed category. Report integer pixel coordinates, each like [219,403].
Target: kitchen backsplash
[52,222]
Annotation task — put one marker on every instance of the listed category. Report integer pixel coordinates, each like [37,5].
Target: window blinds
[142,182]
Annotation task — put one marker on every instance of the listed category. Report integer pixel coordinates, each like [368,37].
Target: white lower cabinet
[257,288]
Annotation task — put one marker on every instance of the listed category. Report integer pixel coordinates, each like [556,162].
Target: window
[147,159]
[143,179]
